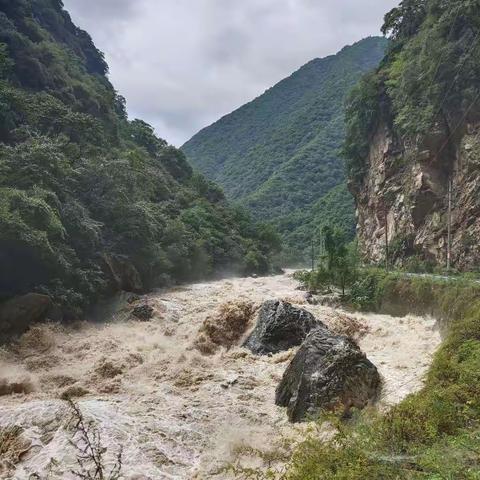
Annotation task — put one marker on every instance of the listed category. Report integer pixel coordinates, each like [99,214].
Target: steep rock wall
[405,190]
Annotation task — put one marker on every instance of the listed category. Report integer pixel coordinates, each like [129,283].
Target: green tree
[340,258]
[405,20]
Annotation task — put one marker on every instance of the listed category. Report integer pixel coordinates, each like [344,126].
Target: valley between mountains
[153,323]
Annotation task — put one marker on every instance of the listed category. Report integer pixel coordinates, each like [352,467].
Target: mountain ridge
[299,69]
[265,154]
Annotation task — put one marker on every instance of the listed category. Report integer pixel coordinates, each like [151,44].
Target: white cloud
[182,64]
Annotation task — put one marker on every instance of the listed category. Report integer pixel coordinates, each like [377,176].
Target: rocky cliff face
[405,191]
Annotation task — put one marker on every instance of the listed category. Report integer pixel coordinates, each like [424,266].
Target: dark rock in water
[19,313]
[280,326]
[328,372]
[143,312]
[16,386]
[74,391]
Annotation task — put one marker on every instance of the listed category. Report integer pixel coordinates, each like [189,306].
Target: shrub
[365,292]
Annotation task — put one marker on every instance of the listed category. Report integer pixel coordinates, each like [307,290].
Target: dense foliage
[430,77]
[302,227]
[278,155]
[87,196]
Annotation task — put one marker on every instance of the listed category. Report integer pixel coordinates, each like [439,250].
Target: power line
[440,60]
[437,69]
[450,179]
[450,183]
[449,226]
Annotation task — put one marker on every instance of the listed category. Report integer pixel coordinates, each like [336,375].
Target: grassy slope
[279,153]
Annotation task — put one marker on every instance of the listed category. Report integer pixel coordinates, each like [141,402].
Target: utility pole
[313,253]
[386,242]
[322,250]
[449,225]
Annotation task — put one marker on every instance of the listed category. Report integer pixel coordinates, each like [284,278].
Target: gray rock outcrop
[280,326]
[328,372]
[143,312]
[403,196]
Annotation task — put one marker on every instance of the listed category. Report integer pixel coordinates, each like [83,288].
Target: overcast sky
[182,64]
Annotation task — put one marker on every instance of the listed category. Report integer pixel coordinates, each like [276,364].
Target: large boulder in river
[280,326]
[327,373]
[19,313]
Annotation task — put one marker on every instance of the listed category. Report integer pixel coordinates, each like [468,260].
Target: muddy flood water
[176,413]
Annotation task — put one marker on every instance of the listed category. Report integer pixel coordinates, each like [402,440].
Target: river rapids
[174,412]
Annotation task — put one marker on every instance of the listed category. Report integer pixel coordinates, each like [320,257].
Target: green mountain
[91,202]
[278,155]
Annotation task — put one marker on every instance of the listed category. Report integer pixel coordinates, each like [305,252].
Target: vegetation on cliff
[89,200]
[430,77]
[279,154]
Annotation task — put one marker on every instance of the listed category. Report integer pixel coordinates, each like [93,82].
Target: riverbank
[434,433]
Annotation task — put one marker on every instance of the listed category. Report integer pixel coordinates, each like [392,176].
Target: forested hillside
[279,154]
[413,139]
[91,202]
